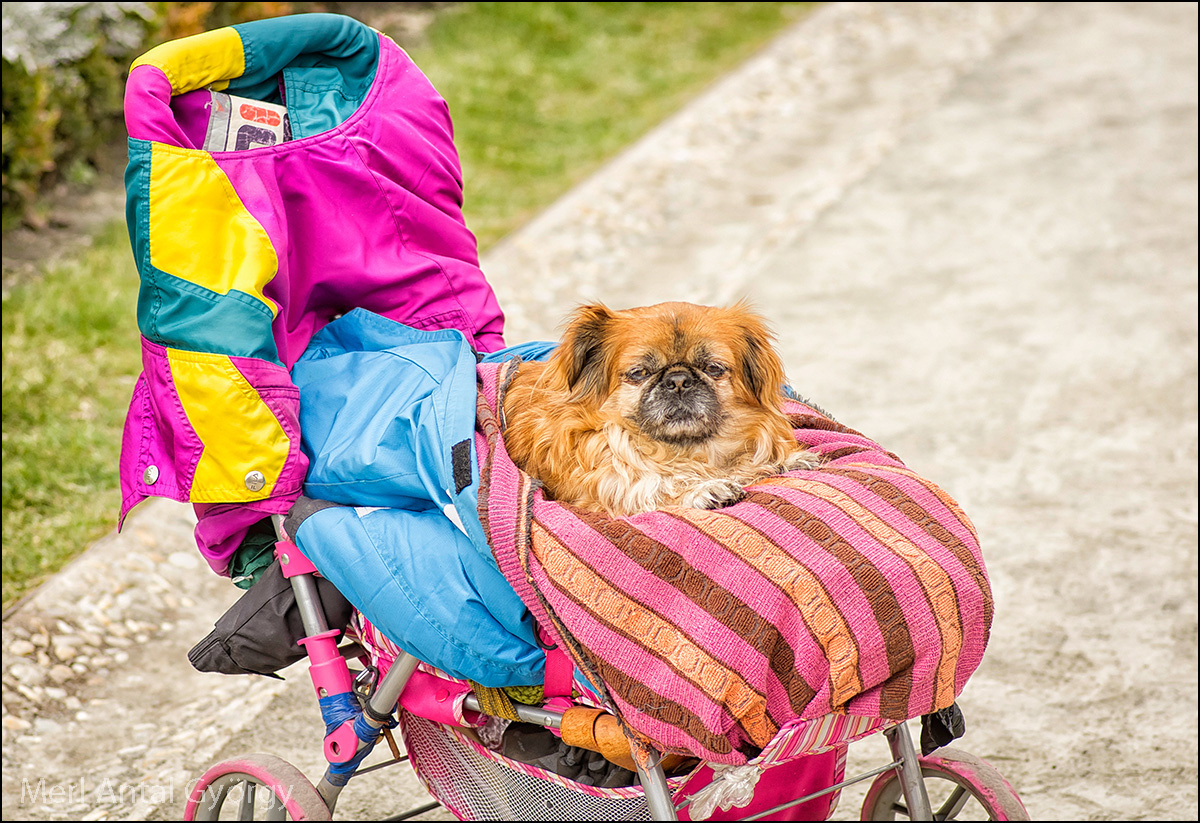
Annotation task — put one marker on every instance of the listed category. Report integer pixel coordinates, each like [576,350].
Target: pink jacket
[245,255]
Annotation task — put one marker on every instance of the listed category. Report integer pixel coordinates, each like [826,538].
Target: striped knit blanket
[856,588]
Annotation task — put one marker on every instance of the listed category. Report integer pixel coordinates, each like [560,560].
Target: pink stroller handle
[328,669]
[330,675]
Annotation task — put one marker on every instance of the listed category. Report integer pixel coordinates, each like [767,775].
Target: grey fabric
[301,510]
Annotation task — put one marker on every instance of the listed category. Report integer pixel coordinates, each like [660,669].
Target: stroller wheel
[961,786]
[258,787]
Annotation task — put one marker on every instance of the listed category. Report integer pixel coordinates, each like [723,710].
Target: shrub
[64,74]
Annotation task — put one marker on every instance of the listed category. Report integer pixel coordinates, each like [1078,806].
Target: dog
[674,404]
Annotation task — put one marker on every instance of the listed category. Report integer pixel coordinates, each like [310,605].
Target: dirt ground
[1001,285]
[974,227]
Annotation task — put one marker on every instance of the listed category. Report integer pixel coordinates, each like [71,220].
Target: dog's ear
[762,369]
[580,362]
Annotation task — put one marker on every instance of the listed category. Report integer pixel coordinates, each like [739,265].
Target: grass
[541,94]
[70,360]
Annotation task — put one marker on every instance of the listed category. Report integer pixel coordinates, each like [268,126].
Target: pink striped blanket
[857,588]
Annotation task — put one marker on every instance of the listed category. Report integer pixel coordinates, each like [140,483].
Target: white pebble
[44,725]
[61,674]
[183,560]
[33,694]
[26,673]
[21,648]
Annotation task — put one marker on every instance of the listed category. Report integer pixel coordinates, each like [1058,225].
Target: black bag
[259,633]
[941,727]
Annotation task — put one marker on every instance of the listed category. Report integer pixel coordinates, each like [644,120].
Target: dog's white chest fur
[637,483]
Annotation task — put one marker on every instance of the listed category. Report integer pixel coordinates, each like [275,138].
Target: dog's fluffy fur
[673,404]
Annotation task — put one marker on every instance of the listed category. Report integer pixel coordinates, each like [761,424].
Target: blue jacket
[387,415]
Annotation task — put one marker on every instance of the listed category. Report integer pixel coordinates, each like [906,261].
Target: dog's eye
[715,369]
[637,374]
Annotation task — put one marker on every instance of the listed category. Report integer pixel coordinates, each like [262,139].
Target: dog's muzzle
[680,408]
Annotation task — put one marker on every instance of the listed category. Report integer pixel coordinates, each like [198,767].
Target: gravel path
[974,227]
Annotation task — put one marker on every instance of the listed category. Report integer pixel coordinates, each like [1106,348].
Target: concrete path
[974,227]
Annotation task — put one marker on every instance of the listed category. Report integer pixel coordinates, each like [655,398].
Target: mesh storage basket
[475,783]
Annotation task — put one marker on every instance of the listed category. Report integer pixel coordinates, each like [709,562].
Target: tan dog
[668,405]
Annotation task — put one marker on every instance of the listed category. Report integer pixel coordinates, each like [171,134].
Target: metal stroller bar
[653,778]
[382,702]
[911,781]
[658,794]
[308,600]
[528,714]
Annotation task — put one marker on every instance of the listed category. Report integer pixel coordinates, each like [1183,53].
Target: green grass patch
[541,94]
[70,361]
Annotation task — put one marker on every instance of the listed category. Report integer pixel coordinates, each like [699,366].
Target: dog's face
[678,373]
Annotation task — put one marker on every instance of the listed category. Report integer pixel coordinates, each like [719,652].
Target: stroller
[323,368]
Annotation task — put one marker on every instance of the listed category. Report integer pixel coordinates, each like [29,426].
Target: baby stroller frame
[899,787]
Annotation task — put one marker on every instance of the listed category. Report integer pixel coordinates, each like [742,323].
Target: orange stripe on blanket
[659,637]
[829,627]
[934,580]
[946,500]
[870,476]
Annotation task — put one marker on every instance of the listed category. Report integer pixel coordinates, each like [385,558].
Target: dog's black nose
[679,381]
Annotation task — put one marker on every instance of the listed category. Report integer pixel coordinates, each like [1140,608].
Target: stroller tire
[288,793]
[958,783]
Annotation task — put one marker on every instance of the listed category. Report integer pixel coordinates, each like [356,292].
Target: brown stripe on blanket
[662,709]
[636,622]
[485,486]
[904,503]
[937,530]
[812,421]
[800,422]
[716,600]
[888,614]
[934,582]
[523,518]
[798,583]
[949,502]
[837,454]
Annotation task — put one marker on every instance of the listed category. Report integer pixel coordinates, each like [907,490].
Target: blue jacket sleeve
[417,578]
